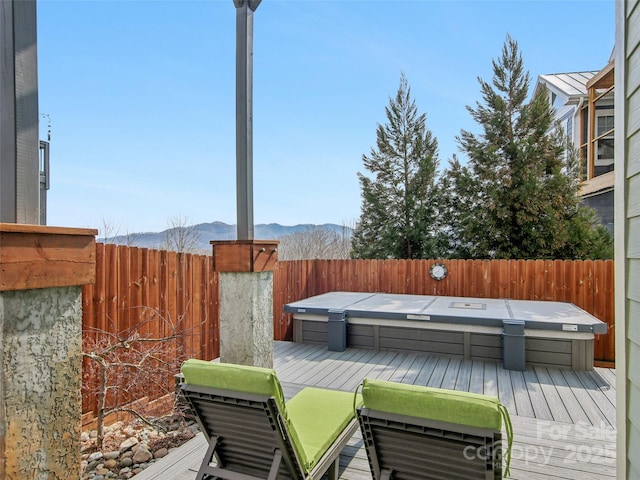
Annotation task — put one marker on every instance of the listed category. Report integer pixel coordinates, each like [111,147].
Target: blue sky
[141,96]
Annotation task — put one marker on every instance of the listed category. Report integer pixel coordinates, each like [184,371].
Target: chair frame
[248,437]
[402,433]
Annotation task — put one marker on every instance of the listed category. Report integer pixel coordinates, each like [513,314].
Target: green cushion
[239,378]
[319,417]
[450,406]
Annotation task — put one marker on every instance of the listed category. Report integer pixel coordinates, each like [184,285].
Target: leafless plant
[108,230]
[124,365]
[317,242]
[180,236]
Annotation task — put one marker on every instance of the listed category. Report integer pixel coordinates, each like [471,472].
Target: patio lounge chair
[253,434]
[420,433]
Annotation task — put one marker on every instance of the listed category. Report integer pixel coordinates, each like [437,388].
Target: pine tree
[521,175]
[398,205]
[456,225]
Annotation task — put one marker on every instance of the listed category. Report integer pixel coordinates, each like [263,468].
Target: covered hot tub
[515,332]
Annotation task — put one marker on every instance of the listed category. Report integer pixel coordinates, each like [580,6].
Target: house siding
[633,153]
[629,22]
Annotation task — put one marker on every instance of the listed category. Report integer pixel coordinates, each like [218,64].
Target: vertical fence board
[214,313]
[111,267]
[588,285]
[538,280]
[569,271]
[186,301]
[579,283]
[548,280]
[124,269]
[135,287]
[515,279]
[196,306]
[560,288]
[598,303]
[503,279]
[609,312]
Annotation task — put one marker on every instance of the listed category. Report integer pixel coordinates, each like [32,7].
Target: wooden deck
[564,421]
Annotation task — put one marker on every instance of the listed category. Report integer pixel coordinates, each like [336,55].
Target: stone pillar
[41,273]
[246,300]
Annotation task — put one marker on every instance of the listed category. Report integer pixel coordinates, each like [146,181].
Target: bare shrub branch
[124,366]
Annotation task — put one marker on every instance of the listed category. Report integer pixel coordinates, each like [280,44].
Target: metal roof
[569,84]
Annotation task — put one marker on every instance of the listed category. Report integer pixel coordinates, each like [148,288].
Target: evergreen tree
[521,176]
[458,204]
[399,207]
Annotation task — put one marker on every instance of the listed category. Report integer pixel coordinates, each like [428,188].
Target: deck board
[463,380]
[553,398]
[536,395]
[426,371]
[412,374]
[602,401]
[591,408]
[505,390]
[563,421]
[490,386]
[477,378]
[438,373]
[451,375]
[576,412]
[521,394]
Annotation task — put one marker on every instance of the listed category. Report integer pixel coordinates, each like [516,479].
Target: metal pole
[244,116]
[19,162]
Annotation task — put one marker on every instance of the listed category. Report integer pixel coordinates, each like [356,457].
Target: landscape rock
[162,452]
[142,454]
[95,456]
[130,448]
[128,443]
[111,455]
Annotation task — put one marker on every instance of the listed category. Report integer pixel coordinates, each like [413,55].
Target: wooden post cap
[244,255]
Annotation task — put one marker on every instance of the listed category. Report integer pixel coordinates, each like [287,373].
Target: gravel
[129,448]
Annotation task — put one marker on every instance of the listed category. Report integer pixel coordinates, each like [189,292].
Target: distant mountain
[217,231]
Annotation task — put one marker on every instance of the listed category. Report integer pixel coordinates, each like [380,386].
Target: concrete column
[246,300]
[246,318]
[42,371]
[41,273]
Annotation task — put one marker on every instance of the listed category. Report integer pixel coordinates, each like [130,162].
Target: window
[604,144]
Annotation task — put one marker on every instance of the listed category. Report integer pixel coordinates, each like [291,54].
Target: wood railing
[184,289]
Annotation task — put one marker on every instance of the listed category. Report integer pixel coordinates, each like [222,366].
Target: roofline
[552,88]
[608,70]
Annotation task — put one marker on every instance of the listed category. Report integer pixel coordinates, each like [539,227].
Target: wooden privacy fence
[588,284]
[156,293]
[183,288]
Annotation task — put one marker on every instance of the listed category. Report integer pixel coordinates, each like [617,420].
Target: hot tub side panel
[568,353]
